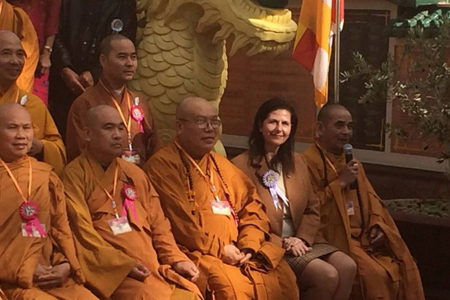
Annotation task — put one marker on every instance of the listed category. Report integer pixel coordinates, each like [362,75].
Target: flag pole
[337,51]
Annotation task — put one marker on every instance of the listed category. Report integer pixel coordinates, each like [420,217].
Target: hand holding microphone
[349,174]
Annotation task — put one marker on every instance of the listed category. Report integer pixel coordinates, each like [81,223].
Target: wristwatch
[48,48]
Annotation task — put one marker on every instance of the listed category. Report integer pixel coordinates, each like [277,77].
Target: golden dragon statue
[182,48]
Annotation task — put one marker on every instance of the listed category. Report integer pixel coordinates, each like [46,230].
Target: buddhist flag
[316,28]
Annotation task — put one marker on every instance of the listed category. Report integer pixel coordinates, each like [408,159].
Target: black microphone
[348,157]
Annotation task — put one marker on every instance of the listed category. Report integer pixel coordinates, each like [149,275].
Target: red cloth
[44,15]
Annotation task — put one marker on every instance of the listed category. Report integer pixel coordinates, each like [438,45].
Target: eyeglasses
[202,123]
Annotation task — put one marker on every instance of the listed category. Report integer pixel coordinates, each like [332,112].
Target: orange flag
[313,42]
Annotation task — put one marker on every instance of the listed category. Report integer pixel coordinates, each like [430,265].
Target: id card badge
[350,208]
[221,208]
[34,232]
[131,156]
[120,225]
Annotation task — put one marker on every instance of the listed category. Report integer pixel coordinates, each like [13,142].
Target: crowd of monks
[124,218]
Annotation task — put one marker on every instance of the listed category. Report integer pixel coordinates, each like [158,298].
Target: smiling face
[194,114]
[12,58]
[16,132]
[335,130]
[276,129]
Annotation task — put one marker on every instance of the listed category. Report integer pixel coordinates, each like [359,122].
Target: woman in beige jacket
[282,180]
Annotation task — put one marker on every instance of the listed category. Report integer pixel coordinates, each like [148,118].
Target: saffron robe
[45,129]
[16,20]
[389,274]
[107,259]
[146,142]
[20,255]
[203,234]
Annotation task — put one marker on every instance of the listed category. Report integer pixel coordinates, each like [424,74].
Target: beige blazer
[304,204]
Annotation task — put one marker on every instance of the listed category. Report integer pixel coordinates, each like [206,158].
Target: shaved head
[12,58]
[196,118]
[106,44]
[96,114]
[327,111]
[16,132]
[6,34]
[104,133]
[190,105]
[334,127]
[9,110]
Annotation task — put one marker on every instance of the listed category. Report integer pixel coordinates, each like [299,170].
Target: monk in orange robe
[16,20]
[354,219]
[37,252]
[119,61]
[215,213]
[124,242]
[47,143]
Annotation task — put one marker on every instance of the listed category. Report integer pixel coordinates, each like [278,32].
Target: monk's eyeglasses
[202,123]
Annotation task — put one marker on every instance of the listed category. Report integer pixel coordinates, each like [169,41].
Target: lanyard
[111,197]
[108,194]
[119,109]
[328,161]
[14,180]
[209,172]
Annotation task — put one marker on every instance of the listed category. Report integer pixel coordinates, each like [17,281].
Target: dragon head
[259,28]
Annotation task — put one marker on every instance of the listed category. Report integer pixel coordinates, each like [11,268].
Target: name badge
[221,208]
[120,225]
[131,156]
[350,208]
[32,231]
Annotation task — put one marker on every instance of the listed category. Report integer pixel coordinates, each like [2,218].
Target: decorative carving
[181,50]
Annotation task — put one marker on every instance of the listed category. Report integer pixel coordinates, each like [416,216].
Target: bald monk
[119,61]
[37,252]
[354,219]
[47,144]
[124,242]
[16,20]
[215,213]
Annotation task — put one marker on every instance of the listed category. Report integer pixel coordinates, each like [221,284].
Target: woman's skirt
[299,263]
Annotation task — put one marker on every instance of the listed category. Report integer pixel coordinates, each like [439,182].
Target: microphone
[348,157]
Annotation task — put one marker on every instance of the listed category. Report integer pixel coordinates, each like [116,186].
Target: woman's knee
[320,274]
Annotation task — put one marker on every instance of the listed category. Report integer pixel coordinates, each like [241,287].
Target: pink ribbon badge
[129,192]
[29,211]
[137,113]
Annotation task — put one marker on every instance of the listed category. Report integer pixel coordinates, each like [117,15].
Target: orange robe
[389,274]
[203,234]
[107,259]
[20,255]
[16,20]
[45,129]
[146,143]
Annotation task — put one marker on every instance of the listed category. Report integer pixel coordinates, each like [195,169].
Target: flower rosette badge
[270,179]
[130,195]
[137,113]
[29,211]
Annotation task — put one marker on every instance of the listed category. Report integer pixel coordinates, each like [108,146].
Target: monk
[119,61]
[47,144]
[16,20]
[124,242]
[353,217]
[37,252]
[215,213]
